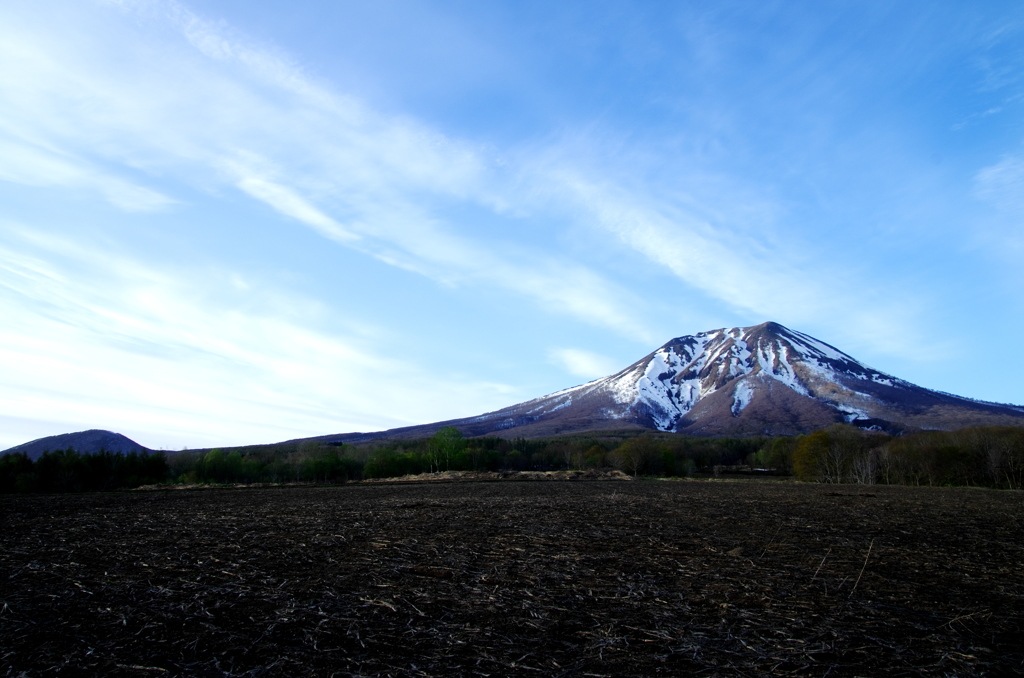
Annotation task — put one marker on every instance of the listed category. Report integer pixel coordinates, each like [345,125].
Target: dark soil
[548,578]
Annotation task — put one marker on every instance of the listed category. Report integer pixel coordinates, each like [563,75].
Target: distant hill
[743,381]
[85,442]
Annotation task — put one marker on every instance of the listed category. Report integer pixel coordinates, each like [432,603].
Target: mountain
[761,380]
[84,442]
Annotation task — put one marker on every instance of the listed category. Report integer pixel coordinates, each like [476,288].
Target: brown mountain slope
[760,380]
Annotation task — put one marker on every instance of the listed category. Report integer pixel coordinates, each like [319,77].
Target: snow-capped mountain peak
[668,384]
[760,380]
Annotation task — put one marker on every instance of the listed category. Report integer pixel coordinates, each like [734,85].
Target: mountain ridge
[760,380]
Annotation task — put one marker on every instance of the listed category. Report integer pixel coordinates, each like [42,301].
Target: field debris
[476,476]
[438,477]
[514,578]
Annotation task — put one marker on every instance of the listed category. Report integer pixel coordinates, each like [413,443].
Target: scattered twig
[821,563]
[863,567]
[770,542]
[418,611]
[139,667]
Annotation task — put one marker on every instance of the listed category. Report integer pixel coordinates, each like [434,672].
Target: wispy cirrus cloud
[216,111]
[32,166]
[758,277]
[291,204]
[1001,186]
[172,356]
[225,112]
[1002,183]
[582,363]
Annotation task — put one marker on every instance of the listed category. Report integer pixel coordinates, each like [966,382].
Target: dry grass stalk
[821,563]
[863,567]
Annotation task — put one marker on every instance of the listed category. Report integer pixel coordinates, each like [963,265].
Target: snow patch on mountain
[775,362]
[663,389]
[741,397]
[669,383]
[852,413]
[708,384]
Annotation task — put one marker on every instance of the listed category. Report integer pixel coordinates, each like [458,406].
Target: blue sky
[239,222]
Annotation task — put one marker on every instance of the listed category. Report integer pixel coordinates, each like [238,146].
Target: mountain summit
[84,442]
[760,380]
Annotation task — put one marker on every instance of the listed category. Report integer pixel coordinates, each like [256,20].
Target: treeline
[986,456]
[69,471]
[647,454]
[306,462]
[448,450]
[983,456]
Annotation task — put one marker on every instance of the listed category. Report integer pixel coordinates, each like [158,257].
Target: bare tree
[636,455]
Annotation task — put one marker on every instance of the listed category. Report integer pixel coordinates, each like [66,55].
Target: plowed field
[515,578]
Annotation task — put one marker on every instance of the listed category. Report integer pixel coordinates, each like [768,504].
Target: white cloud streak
[757,278]
[1002,183]
[289,203]
[228,113]
[97,339]
[583,363]
[21,163]
[231,113]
